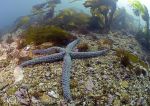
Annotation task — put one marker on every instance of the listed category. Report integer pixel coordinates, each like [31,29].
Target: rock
[41,84]
[105,77]
[27,47]
[18,74]
[110,99]
[141,71]
[124,84]
[3,86]
[45,99]
[53,94]
[22,96]
[89,84]
[4,63]
[71,104]
[125,98]
[141,102]
[4,56]
[34,100]
[116,102]
[24,53]
[47,74]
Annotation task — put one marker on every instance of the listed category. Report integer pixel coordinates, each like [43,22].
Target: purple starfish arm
[72,45]
[80,55]
[50,58]
[48,50]
[67,63]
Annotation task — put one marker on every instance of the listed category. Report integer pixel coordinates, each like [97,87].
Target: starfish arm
[72,45]
[80,55]
[48,50]
[49,58]
[66,77]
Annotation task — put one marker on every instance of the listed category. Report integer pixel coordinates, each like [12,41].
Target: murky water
[74,53]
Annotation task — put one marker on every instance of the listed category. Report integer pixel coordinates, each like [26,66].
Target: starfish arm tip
[80,55]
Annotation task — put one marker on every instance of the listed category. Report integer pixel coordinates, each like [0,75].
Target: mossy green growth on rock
[41,34]
[127,58]
[1,102]
[12,90]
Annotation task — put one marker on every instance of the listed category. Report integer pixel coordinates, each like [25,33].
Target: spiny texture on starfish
[66,55]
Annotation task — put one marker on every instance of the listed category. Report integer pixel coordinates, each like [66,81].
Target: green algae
[41,34]
[11,91]
[71,19]
[130,57]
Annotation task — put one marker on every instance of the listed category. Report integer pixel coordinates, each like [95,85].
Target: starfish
[65,54]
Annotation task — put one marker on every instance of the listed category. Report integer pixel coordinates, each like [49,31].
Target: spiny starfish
[66,55]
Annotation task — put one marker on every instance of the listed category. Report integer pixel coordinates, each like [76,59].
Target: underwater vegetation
[9,39]
[22,22]
[83,47]
[114,79]
[142,11]
[103,9]
[67,55]
[105,16]
[135,65]
[123,20]
[104,43]
[126,58]
[45,9]
[119,19]
[41,13]
[41,34]
[141,37]
[70,19]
